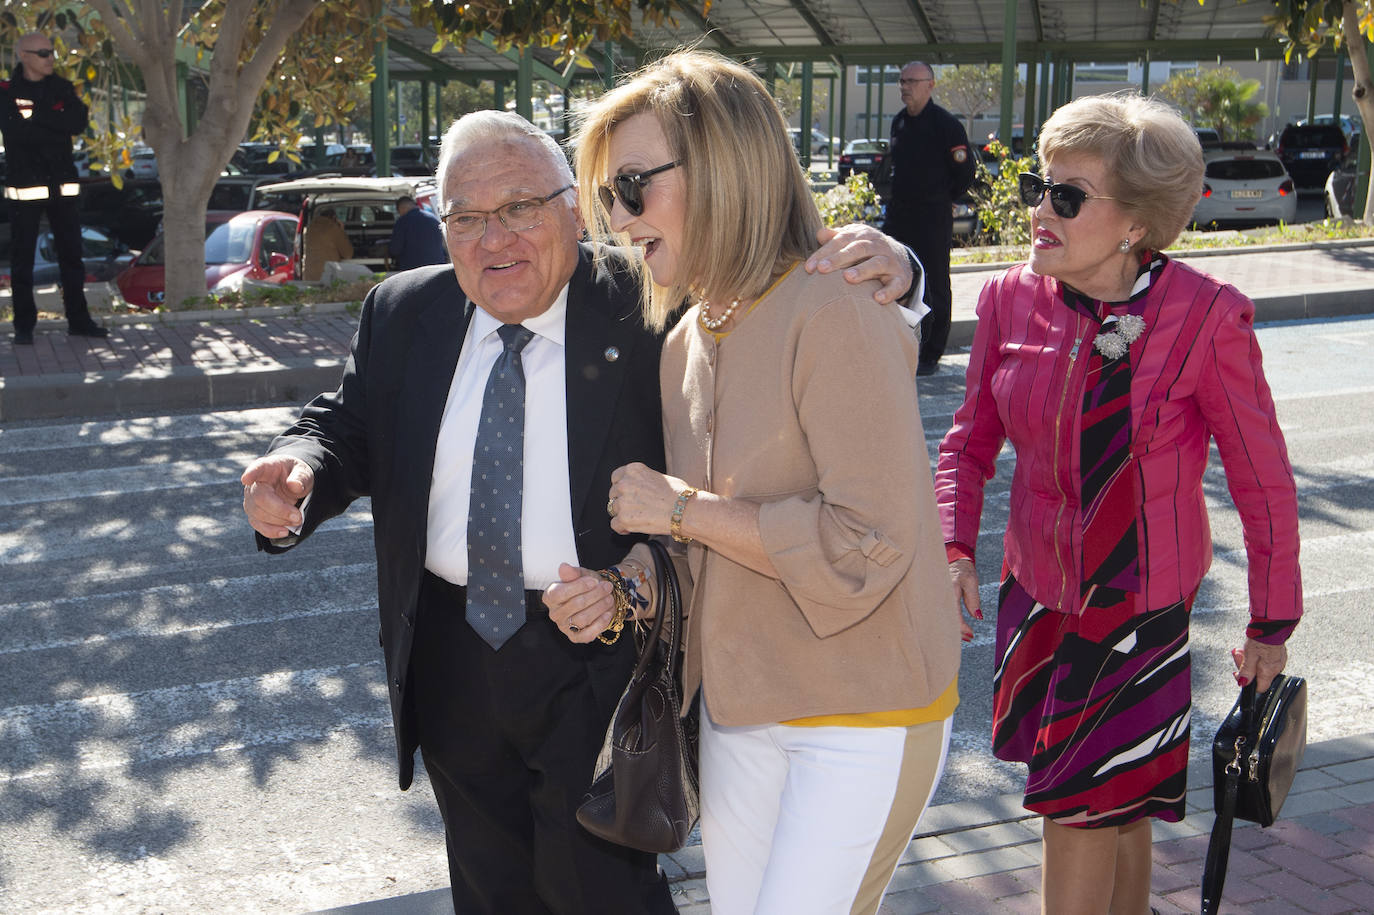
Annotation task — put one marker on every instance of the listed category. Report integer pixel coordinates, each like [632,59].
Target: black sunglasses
[630,189]
[41,52]
[1066,199]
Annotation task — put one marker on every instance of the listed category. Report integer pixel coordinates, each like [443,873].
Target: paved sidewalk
[282,354]
[980,857]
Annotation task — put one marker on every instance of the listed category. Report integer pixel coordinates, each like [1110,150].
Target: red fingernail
[977,614]
[1243,681]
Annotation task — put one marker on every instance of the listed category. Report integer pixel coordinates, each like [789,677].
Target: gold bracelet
[675,522]
[620,593]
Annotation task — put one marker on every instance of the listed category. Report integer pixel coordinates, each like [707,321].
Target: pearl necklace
[713,324]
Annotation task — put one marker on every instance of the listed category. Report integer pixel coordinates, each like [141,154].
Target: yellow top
[938,710]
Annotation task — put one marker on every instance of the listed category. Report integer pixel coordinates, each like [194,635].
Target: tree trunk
[188,166]
[1363,90]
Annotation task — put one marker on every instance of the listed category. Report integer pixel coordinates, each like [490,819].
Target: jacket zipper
[1058,482]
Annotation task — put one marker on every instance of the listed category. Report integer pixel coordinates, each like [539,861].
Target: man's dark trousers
[930,236]
[509,739]
[65,222]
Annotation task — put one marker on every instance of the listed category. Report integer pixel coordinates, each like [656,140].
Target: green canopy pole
[381,85]
[1008,71]
[805,131]
[524,85]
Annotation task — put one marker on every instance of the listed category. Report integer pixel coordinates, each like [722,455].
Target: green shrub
[1003,219]
[855,200]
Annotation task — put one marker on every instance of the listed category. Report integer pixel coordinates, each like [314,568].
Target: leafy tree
[273,67]
[969,90]
[1306,26]
[1218,98]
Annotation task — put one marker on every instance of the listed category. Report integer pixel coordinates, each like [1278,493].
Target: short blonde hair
[750,214]
[1153,158]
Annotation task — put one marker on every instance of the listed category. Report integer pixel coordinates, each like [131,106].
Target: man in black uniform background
[40,113]
[932,165]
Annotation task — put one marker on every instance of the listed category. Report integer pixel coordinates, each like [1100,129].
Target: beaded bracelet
[620,592]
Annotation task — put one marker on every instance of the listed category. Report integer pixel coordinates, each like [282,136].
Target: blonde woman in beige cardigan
[821,632]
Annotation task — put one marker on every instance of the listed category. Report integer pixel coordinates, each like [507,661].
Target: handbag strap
[667,606]
[1219,845]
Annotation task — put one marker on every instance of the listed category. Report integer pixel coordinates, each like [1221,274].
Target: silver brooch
[1126,329]
[612,354]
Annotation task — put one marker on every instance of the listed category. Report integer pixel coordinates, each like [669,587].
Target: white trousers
[802,820]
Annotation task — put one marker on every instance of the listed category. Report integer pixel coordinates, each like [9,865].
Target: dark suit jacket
[375,436]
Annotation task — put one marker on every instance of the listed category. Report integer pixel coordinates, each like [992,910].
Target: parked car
[144,163]
[104,257]
[966,222]
[238,192]
[411,161]
[1340,190]
[241,250]
[365,206]
[1311,152]
[820,143]
[1348,125]
[1207,136]
[865,156]
[131,213]
[1245,186]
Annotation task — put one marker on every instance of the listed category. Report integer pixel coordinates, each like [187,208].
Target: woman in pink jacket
[1109,367]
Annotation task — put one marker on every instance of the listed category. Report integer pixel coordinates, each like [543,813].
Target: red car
[241,249]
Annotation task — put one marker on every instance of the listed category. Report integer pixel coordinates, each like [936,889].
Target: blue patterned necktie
[496,581]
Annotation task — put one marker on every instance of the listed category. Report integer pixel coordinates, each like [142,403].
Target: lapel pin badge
[612,354]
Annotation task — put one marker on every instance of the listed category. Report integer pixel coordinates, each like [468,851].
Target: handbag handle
[667,610]
[1219,845]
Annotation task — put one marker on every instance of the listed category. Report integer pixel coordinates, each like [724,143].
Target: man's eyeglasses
[516,216]
[1066,199]
[630,189]
[39,52]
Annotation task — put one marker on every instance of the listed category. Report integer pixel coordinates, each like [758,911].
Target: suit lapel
[596,363]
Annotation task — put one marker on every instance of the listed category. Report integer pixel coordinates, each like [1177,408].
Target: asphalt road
[187,725]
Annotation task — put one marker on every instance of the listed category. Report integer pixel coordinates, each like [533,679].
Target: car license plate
[1246,195]
[1312,154]
[863,160]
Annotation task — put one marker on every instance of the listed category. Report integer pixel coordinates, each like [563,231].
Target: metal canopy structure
[819,39]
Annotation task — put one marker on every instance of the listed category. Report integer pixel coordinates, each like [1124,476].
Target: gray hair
[480,126]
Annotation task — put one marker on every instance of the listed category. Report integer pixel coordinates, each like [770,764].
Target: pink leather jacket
[1196,376]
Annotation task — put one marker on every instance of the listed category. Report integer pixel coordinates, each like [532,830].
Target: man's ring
[610,506]
[573,627]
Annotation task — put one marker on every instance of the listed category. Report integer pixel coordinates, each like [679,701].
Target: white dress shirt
[546,508]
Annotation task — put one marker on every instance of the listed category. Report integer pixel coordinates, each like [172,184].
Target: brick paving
[1318,858]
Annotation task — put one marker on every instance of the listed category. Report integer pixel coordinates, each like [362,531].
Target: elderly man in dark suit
[527,351]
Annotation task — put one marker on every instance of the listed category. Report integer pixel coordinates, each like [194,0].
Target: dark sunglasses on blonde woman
[629,189]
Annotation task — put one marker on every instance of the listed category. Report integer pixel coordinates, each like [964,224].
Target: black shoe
[927,368]
[90,330]
[23,338]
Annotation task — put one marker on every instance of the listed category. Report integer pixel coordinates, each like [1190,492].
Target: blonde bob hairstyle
[1152,157]
[749,212]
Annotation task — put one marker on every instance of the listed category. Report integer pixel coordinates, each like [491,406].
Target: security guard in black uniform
[932,165]
[39,115]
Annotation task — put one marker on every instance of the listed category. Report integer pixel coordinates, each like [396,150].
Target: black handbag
[1255,757]
[644,785]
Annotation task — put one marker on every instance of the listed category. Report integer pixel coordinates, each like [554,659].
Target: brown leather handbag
[644,785]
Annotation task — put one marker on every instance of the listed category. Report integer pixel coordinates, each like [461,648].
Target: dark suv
[1311,152]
